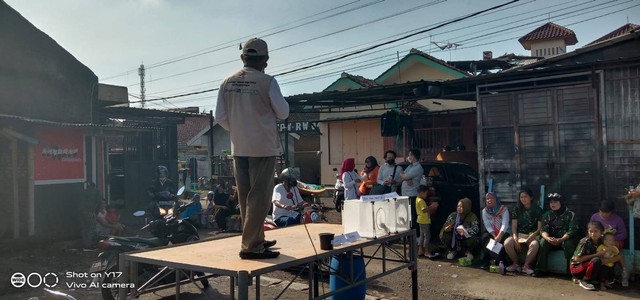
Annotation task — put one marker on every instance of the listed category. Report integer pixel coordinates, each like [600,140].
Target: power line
[304,41]
[231,43]
[242,39]
[380,50]
[483,30]
[382,62]
[363,50]
[324,75]
[398,39]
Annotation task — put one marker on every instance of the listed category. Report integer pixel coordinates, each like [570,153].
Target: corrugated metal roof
[62,124]
[547,32]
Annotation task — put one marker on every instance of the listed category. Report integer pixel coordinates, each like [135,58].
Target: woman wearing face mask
[286,199]
[369,175]
[389,173]
[410,181]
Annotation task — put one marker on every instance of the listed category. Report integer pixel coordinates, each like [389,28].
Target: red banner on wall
[59,154]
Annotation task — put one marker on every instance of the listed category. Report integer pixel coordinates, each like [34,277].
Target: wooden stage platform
[220,257]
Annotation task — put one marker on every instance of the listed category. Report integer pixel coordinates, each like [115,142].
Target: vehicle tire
[339,203]
[108,294]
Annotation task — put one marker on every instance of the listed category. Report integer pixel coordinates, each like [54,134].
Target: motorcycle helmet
[195,197]
[162,169]
[290,175]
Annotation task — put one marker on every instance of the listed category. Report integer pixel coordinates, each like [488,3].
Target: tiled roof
[191,127]
[548,31]
[364,82]
[624,29]
[432,58]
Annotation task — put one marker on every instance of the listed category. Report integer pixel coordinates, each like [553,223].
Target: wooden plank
[221,256]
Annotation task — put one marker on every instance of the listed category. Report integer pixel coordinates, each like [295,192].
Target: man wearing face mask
[161,183]
[249,104]
[286,199]
[389,173]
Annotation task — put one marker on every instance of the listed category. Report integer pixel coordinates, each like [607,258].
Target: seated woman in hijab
[460,231]
[496,220]
[559,232]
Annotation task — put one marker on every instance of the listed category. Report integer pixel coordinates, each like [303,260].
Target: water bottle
[501,266]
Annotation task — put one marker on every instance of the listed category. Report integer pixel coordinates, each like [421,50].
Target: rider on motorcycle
[287,199]
[162,191]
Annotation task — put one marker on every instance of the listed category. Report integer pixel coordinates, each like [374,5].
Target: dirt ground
[438,279]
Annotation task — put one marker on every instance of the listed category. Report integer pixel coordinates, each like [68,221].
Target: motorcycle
[338,195]
[164,204]
[169,229]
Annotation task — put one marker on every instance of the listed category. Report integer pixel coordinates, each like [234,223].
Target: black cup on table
[325,241]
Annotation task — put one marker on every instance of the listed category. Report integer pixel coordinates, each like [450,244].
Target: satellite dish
[139,213]
[181,191]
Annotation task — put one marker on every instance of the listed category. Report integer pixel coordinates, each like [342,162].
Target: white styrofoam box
[372,219]
[399,214]
[368,218]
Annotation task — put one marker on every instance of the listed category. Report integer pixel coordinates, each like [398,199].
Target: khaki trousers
[254,180]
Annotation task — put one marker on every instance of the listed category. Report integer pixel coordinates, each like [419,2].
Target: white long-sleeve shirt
[350,186]
[386,171]
[249,105]
[504,221]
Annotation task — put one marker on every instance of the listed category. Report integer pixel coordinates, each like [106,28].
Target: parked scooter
[338,195]
[169,229]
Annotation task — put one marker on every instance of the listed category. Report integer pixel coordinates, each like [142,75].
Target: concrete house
[354,131]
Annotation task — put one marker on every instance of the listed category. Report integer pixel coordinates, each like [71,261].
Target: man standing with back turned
[249,104]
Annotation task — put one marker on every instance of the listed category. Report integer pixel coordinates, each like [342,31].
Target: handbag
[381,189]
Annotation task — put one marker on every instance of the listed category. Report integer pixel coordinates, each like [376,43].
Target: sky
[190,46]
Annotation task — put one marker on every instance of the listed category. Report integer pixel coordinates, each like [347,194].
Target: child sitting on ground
[424,210]
[610,251]
[586,262]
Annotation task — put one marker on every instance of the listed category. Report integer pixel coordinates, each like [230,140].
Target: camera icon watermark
[34,280]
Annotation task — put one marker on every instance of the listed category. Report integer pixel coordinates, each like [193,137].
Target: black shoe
[268,244]
[264,255]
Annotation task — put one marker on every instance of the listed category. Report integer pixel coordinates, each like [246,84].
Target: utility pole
[142,88]
[211,152]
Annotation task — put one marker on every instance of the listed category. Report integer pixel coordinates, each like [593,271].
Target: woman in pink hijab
[350,178]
